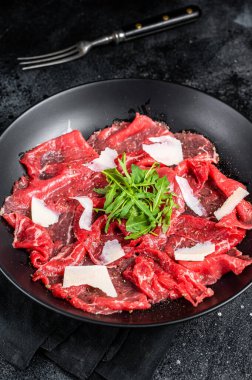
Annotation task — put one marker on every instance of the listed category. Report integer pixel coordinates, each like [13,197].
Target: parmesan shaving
[96,276]
[196,253]
[86,217]
[192,202]
[41,214]
[161,139]
[104,161]
[112,251]
[231,202]
[166,149]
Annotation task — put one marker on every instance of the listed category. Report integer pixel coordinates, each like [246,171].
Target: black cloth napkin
[86,350]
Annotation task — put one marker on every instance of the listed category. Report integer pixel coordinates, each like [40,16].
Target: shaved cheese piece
[160,139]
[166,149]
[41,214]
[231,202]
[96,276]
[104,161]
[196,253]
[192,202]
[112,251]
[86,216]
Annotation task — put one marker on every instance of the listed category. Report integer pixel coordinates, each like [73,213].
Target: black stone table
[213,55]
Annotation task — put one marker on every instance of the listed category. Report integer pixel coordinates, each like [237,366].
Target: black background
[213,55]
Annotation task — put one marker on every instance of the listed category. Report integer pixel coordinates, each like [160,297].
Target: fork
[150,26]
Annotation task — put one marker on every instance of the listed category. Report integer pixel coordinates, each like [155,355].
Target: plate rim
[85,318]
[69,90]
[124,325]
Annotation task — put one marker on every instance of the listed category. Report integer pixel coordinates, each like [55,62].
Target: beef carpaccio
[162,264]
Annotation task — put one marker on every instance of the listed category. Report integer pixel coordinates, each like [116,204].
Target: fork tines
[61,56]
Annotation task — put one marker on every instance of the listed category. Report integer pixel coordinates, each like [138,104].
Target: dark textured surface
[213,55]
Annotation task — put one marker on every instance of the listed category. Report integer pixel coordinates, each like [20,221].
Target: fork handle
[159,23]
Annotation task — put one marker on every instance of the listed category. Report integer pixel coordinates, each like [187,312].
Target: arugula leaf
[101,191]
[136,224]
[162,186]
[136,235]
[145,195]
[110,195]
[144,207]
[122,163]
[127,207]
[137,174]
[114,176]
[117,202]
[152,170]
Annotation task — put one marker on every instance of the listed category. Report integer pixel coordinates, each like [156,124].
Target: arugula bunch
[141,197]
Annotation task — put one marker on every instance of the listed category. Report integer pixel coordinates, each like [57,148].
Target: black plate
[93,106]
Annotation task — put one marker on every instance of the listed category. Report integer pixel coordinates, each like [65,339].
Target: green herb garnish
[141,197]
